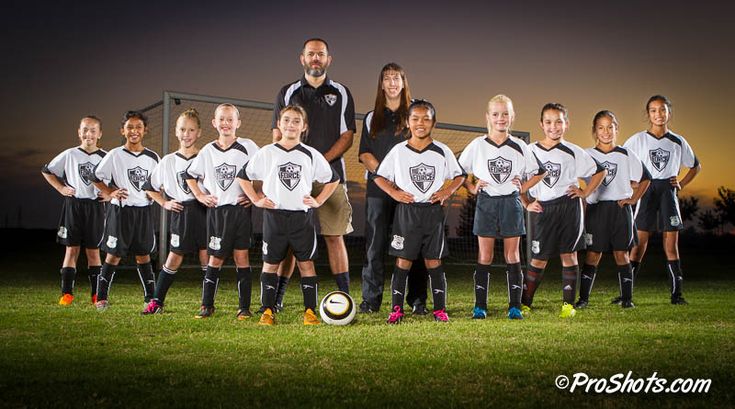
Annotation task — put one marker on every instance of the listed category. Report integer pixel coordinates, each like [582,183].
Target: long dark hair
[377,123]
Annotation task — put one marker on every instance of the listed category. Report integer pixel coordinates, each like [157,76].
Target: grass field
[53,356]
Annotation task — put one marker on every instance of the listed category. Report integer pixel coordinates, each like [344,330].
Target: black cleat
[581,304]
[617,300]
[678,300]
[419,309]
[627,304]
[365,308]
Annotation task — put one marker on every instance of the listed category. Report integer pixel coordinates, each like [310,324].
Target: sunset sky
[63,61]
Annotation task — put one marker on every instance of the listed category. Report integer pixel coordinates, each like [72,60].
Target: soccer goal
[256,124]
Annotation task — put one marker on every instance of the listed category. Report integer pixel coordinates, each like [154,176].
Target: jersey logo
[330,99]
[290,175]
[553,172]
[182,182]
[659,158]
[86,172]
[137,177]
[612,170]
[422,176]
[500,169]
[224,175]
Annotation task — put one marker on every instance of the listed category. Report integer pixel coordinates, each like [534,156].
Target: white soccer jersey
[287,174]
[217,169]
[565,163]
[170,175]
[664,156]
[420,173]
[75,167]
[128,170]
[623,167]
[498,165]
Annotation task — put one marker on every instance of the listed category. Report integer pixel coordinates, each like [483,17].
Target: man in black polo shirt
[331,116]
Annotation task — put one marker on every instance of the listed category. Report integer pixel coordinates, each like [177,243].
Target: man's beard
[315,72]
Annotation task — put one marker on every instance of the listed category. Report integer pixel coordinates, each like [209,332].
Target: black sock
[438,284]
[209,286]
[343,282]
[165,279]
[94,271]
[635,265]
[625,279]
[398,284]
[482,284]
[310,289]
[244,286]
[104,281]
[268,287]
[677,276]
[569,283]
[587,279]
[147,279]
[515,285]
[67,279]
[281,289]
[531,281]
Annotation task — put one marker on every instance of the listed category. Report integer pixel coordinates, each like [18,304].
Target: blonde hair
[192,114]
[502,99]
[295,108]
[226,105]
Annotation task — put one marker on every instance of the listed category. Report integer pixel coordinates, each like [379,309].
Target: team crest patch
[659,158]
[553,173]
[265,248]
[535,246]
[86,172]
[500,169]
[215,243]
[224,175]
[330,99]
[612,170]
[62,233]
[588,239]
[175,240]
[111,242]
[290,175]
[422,176]
[397,242]
[181,180]
[137,177]
[675,221]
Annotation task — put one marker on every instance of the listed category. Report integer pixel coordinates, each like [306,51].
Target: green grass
[52,356]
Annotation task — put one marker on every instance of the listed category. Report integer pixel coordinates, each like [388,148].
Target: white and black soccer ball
[337,308]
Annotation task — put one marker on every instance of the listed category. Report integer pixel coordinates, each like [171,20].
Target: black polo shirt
[385,139]
[331,112]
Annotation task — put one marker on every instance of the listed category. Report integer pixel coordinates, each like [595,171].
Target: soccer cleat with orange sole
[66,299]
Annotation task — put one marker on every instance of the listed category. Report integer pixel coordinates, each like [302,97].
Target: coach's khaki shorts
[335,215]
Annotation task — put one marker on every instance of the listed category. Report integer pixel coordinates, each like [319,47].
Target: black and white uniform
[418,227]
[609,227]
[229,225]
[187,228]
[658,209]
[129,222]
[287,175]
[499,212]
[82,221]
[559,228]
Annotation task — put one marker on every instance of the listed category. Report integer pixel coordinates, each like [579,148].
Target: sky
[62,61]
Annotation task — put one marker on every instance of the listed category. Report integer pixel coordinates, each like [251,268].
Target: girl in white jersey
[83,214]
[609,217]
[499,161]
[664,153]
[188,218]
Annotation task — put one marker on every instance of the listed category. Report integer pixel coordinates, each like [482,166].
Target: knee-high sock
[438,284]
[310,290]
[343,282]
[569,283]
[515,285]
[165,279]
[677,276]
[94,271]
[147,279]
[67,279]
[625,278]
[531,281]
[244,286]
[281,290]
[104,281]
[587,280]
[268,287]
[482,284]
[398,284]
[209,286]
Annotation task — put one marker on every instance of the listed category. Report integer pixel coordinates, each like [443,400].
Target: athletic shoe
[66,299]
[419,309]
[94,299]
[205,312]
[525,310]
[441,315]
[102,305]
[396,316]
[581,304]
[267,318]
[567,311]
[514,313]
[678,300]
[242,314]
[627,304]
[479,313]
[365,308]
[617,300]
[153,307]
[310,317]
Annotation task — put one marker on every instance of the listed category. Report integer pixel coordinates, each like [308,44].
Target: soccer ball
[337,308]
